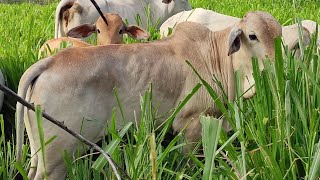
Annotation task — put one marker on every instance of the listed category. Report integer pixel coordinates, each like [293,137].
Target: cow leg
[54,171]
[34,156]
[40,170]
[55,165]
[34,163]
[193,131]
[57,170]
[192,135]
[189,120]
[190,123]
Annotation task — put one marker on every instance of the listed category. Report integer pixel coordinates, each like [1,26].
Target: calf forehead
[263,22]
[112,19]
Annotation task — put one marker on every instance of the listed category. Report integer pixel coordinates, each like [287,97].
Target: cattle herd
[77,83]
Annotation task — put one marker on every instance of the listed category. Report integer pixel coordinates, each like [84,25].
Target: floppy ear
[166,1]
[234,40]
[82,31]
[137,32]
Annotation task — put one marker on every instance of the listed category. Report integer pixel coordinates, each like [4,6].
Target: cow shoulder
[192,30]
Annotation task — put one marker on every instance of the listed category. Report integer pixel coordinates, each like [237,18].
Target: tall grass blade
[101,161]
[21,170]
[68,162]
[169,121]
[211,128]
[239,121]
[314,172]
[212,93]
[153,156]
[41,137]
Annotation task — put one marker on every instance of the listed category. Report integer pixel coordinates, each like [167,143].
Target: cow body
[77,83]
[212,20]
[72,13]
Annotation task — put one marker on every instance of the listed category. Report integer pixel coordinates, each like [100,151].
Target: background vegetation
[276,133]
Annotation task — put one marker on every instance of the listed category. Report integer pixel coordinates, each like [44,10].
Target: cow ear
[137,32]
[166,1]
[234,40]
[66,15]
[82,31]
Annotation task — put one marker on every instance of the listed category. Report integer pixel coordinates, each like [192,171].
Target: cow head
[252,37]
[111,33]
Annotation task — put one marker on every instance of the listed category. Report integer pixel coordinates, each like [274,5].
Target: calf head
[111,33]
[252,37]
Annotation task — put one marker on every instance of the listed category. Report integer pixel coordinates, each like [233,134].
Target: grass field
[275,134]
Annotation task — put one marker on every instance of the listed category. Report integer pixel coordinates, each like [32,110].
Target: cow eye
[253,37]
[121,31]
[98,31]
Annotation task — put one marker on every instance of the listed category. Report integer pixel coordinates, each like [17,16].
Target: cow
[78,83]
[216,21]
[72,13]
[212,20]
[310,25]
[106,34]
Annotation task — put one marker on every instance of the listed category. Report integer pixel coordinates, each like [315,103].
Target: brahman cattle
[72,13]
[216,21]
[76,85]
[106,34]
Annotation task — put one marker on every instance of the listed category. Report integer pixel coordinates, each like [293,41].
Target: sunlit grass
[275,134]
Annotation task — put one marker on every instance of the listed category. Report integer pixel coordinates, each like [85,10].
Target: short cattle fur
[78,83]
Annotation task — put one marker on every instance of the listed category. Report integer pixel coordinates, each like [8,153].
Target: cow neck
[219,63]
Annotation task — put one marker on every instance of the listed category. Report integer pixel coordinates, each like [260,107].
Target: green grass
[275,134]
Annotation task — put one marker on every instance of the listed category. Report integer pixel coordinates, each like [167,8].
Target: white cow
[77,83]
[106,34]
[72,13]
[216,21]
[311,26]
[308,24]
[212,20]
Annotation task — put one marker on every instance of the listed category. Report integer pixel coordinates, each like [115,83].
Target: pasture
[276,134]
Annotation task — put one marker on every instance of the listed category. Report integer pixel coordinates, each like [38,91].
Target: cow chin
[248,86]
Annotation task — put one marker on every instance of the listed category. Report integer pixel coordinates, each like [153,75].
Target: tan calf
[106,34]
[77,84]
